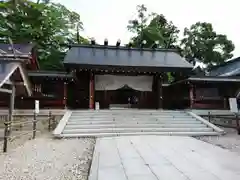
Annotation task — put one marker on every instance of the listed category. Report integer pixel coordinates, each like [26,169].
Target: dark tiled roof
[8,68]
[19,48]
[125,57]
[215,78]
[230,68]
[210,79]
[5,70]
[50,74]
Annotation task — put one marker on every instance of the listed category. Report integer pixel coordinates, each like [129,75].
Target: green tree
[47,24]
[43,1]
[153,27]
[203,43]
[138,24]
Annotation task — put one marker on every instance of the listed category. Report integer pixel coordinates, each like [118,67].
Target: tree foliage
[200,41]
[153,27]
[47,24]
[52,25]
[203,43]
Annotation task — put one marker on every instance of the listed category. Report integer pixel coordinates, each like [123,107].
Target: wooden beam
[6,90]
[19,83]
[191,95]
[159,91]
[91,91]
[65,95]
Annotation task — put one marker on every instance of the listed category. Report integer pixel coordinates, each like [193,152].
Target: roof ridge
[122,48]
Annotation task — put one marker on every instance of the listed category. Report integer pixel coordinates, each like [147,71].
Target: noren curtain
[114,82]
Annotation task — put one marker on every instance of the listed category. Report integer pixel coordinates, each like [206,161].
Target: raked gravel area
[48,159]
[230,141]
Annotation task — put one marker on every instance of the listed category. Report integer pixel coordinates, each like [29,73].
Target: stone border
[201,112]
[62,123]
[29,112]
[93,173]
[204,121]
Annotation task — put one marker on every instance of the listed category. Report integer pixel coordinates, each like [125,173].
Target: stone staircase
[133,122]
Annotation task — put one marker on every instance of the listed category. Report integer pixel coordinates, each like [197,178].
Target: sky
[109,18]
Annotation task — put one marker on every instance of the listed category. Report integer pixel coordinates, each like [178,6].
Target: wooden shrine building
[208,90]
[119,76]
[14,80]
[19,63]
[115,76]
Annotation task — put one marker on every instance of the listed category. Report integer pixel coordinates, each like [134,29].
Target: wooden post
[105,99]
[225,102]
[54,123]
[237,123]
[34,125]
[159,92]
[6,134]
[11,107]
[191,95]
[141,101]
[209,116]
[49,120]
[65,95]
[91,91]
[9,119]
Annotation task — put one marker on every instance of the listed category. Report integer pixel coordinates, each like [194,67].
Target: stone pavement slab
[162,157]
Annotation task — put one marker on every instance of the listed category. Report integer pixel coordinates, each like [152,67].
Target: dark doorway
[125,95]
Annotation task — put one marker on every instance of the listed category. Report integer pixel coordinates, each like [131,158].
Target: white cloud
[108,18]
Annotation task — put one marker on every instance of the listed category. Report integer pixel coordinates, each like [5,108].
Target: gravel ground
[230,141]
[48,159]
[42,130]
[20,140]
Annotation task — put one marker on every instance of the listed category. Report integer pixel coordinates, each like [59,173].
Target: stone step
[101,126]
[131,119]
[139,133]
[125,113]
[131,130]
[127,110]
[134,122]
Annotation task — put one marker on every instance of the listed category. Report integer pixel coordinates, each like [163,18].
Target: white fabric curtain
[113,82]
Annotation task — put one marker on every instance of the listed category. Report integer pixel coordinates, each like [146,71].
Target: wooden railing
[10,125]
[228,120]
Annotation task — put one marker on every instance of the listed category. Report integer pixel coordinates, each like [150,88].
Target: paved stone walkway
[162,157]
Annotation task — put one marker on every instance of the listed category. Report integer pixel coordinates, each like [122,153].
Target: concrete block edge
[62,123]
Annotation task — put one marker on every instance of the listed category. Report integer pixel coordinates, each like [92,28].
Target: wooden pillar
[191,95]
[91,91]
[105,99]
[9,119]
[65,95]
[225,102]
[11,106]
[159,91]
[141,100]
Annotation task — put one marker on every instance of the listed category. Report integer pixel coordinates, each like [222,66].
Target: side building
[47,86]
[211,90]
